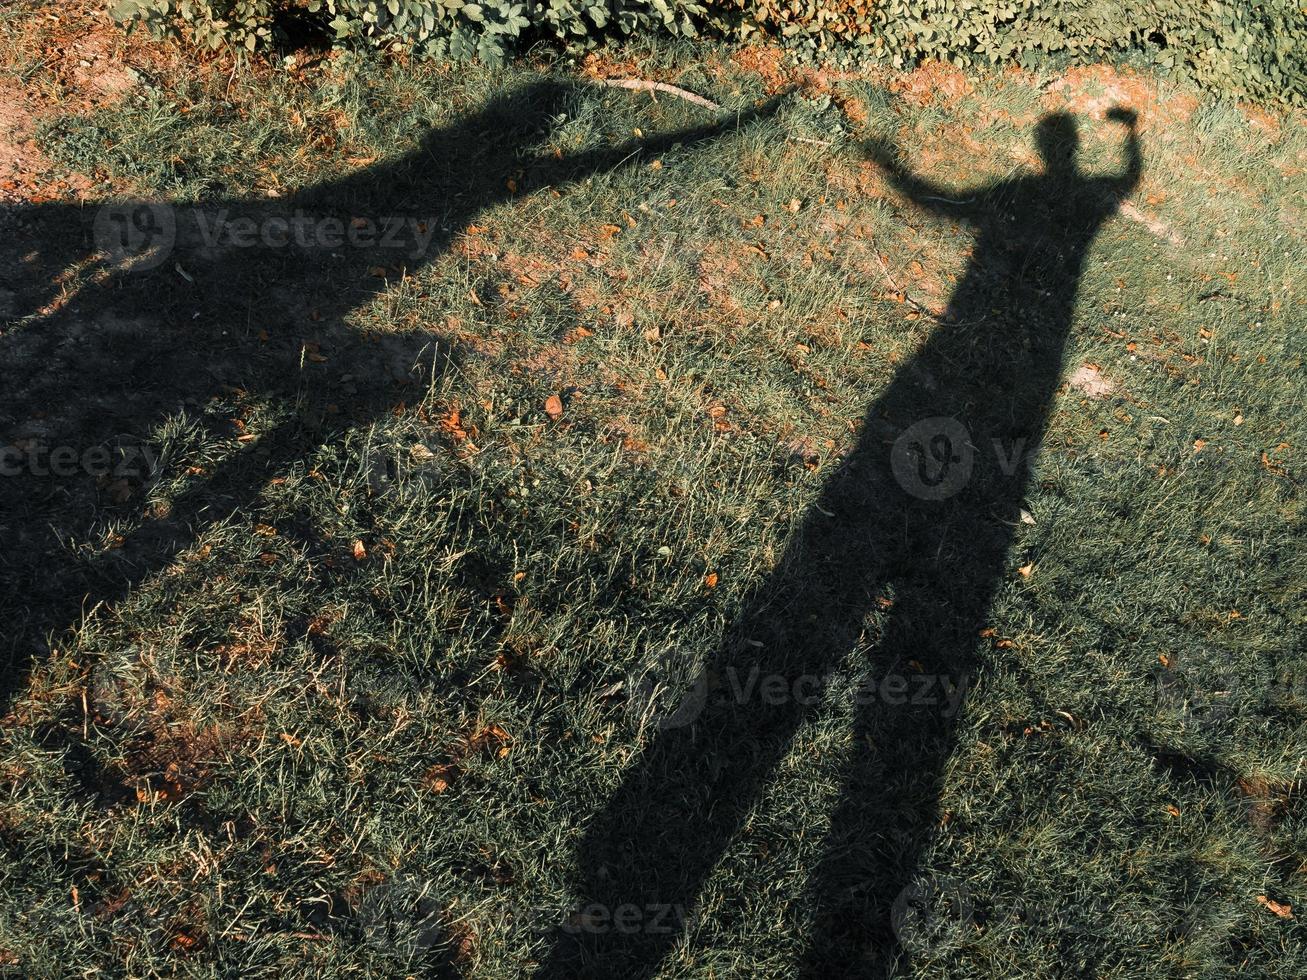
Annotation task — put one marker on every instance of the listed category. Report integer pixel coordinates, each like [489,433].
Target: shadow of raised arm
[549,171]
[925,193]
[1123,183]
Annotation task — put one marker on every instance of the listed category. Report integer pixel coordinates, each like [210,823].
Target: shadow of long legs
[896,562]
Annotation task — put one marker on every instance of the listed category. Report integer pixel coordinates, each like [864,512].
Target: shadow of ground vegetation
[896,562]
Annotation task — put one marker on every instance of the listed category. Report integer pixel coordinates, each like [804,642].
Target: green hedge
[1253,49]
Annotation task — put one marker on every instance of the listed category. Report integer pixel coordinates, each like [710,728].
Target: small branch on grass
[889,277]
[641,85]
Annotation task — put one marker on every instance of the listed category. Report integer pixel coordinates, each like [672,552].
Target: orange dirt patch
[1093,89]
[768,62]
[597,64]
[22,164]
[86,63]
[932,82]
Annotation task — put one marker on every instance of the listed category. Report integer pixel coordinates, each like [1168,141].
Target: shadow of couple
[118,318]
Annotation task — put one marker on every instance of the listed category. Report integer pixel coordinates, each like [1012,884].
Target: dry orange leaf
[360,551]
[1280,909]
[710,580]
[1026,571]
[554,407]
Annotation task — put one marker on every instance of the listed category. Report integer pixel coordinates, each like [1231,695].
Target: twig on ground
[641,85]
[889,277]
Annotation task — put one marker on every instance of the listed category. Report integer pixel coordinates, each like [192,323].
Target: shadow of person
[891,571]
[115,320]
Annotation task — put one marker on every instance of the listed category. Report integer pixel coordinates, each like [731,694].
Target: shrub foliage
[1256,49]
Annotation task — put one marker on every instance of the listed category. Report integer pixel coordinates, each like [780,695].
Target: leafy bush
[1257,49]
[486,29]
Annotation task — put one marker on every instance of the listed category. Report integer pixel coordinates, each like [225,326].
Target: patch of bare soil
[87,63]
[22,164]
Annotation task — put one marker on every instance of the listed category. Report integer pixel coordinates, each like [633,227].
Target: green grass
[254,761]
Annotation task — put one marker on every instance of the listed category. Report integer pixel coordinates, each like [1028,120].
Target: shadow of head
[1058,139]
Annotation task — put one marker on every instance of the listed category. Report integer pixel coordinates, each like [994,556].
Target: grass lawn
[500,525]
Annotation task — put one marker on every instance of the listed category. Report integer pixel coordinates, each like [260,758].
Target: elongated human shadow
[896,563]
[113,319]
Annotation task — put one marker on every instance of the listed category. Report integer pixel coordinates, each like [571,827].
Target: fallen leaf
[360,551]
[438,778]
[1027,570]
[554,407]
[710,580]
[1281,910]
